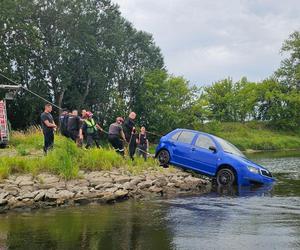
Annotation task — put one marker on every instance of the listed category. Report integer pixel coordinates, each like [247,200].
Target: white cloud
[206,40]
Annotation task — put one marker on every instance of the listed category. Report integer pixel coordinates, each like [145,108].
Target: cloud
[206,40]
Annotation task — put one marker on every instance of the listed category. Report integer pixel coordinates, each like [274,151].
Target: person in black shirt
[63,123]
[129,131]
[116,136]
[48,126]
[74,126]
[143,143]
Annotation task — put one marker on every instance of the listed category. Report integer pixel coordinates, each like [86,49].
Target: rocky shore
[20,192]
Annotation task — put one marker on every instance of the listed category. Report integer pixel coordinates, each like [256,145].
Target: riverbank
[27,192]
[254,136]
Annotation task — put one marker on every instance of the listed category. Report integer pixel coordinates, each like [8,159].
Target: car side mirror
[213,148]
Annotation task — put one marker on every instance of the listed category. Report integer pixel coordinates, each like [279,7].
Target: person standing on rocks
[48,126]
[116,136]
[129,130]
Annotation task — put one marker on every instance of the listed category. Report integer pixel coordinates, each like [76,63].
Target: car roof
[195,131]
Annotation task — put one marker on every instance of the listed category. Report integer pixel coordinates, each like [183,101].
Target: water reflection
[127,225]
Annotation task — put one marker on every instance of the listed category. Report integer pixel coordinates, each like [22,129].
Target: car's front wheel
[225,177]
[163,157]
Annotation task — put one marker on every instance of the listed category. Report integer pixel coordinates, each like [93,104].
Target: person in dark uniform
[48,126]
[142,143]
[63,123]
[91,129]
[74,126]
[129,131]
[116,136]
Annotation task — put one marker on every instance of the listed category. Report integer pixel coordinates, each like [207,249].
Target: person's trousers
[90,139]
[74,135]
[142,151]
[132,145]
[48,140]
[116,142]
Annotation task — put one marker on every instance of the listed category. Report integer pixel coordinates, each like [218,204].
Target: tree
[289,72]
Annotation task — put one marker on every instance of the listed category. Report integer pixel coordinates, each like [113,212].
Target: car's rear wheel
[225,177]
[163,157]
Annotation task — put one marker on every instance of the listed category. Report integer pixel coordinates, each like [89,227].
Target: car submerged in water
[212,156]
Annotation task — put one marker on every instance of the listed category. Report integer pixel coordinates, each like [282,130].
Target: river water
[256,218]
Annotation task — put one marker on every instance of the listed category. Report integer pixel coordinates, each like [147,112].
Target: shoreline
[45,190]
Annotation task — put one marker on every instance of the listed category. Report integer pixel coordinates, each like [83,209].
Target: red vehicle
[4,131]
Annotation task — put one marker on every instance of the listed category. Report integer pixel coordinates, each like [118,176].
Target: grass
[65,160]
[254,136]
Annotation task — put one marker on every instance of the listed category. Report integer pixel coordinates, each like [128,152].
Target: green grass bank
[254,136]
[25,155]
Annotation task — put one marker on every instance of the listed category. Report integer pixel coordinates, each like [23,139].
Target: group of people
[85,129]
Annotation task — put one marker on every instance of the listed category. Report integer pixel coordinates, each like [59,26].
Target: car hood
[245,161]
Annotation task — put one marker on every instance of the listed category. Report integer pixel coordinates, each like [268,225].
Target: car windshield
[229,148]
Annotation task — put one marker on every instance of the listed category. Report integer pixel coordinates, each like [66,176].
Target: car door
[182,148]
[203,158]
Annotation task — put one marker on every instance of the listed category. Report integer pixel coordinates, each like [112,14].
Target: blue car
[212,156]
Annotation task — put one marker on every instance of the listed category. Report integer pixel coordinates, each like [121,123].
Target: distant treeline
[84,54]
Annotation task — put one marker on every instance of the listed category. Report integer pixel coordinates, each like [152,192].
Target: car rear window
[204,141]
[186,137]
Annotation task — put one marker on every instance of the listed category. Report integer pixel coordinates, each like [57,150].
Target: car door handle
[193,149]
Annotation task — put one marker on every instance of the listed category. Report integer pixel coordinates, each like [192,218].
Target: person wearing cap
[91,129]
[130,135]
[116,136]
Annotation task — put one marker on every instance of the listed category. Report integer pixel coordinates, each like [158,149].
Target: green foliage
[254,136]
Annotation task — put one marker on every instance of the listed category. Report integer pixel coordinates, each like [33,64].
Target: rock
[3,202]
[129,186]
[23,179]
[12,189]
[104,185]
[137,180]
[28,195]
[50,195]
[40,195]
[171,184]
[145,184]
[160,182]
[155,189]
[26,183]
[178,183]
[121,193]
[99,181]
[111,190]
[3,195]
[64,194]
[122,179]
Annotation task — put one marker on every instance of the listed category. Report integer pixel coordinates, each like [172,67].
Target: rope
[26,89]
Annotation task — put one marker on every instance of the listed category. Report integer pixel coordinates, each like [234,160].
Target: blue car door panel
[182,148]
[204,159]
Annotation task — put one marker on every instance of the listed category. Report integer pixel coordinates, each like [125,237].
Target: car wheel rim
[225,177]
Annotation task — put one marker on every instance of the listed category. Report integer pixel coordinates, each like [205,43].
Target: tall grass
[66,159]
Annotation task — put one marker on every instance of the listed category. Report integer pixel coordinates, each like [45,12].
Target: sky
[209,40]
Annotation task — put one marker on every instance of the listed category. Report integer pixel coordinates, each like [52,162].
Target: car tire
[225,177]
[163,158]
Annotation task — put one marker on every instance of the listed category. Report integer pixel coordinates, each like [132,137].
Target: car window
[175,136]
[204,141]
[186,137]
